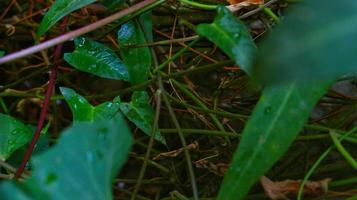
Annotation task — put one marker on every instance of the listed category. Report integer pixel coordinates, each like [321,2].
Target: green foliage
[276,121]
[13,135]
[232,36]
[314,42]
[282,110]
[137,60]
[58,10]
[112,4]
[96,58]
[140,112]
[83,111]
[81,165]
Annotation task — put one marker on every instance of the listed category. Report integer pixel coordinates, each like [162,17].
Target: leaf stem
[151,142]
[343,151]
[176,55]
[182,138]
[317,163]
[199,103]
[199,5]
[42,118]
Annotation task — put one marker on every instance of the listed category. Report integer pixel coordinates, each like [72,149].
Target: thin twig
[253,12]
[149,148]
[182,138]
[75,33]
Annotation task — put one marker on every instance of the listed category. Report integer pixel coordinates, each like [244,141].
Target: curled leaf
[140,112]
[232,36]
[58,10]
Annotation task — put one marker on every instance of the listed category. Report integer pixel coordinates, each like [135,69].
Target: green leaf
[2,53]
[83,111]
[276,121]
[313,45]
[140,112]
[232,36]
[81,165]
[13,135]
[137,60]
[96,58]
[113,4]
[58,10]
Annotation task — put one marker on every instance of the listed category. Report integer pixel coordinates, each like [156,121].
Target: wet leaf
[276,121]
[96,58]
[140,112]
[310,46]
[83,111]
[81,165]
[58,10]
[13,135]
[232,36]
[137,60]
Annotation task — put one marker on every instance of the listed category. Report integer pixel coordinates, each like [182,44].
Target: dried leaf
[280,189]
[176,152]
[239,4]
[219,169]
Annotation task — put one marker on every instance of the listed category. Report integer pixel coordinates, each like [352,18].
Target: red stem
[46,102]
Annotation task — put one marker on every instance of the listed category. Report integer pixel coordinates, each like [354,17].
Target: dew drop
[267,110]
[81,42]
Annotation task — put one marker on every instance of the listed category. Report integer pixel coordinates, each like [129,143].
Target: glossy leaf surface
[140,112]
[13,135]
[83,111]
[58,10]
[82,165]
[96,58]
[137,60]
[276,121]
[232,36]
[313,45]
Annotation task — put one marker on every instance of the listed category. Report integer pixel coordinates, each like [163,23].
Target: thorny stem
[46,102]
[75,33]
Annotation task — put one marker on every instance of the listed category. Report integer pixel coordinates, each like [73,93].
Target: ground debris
[236,5]
[282,189]
[219,169]
[175,153]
